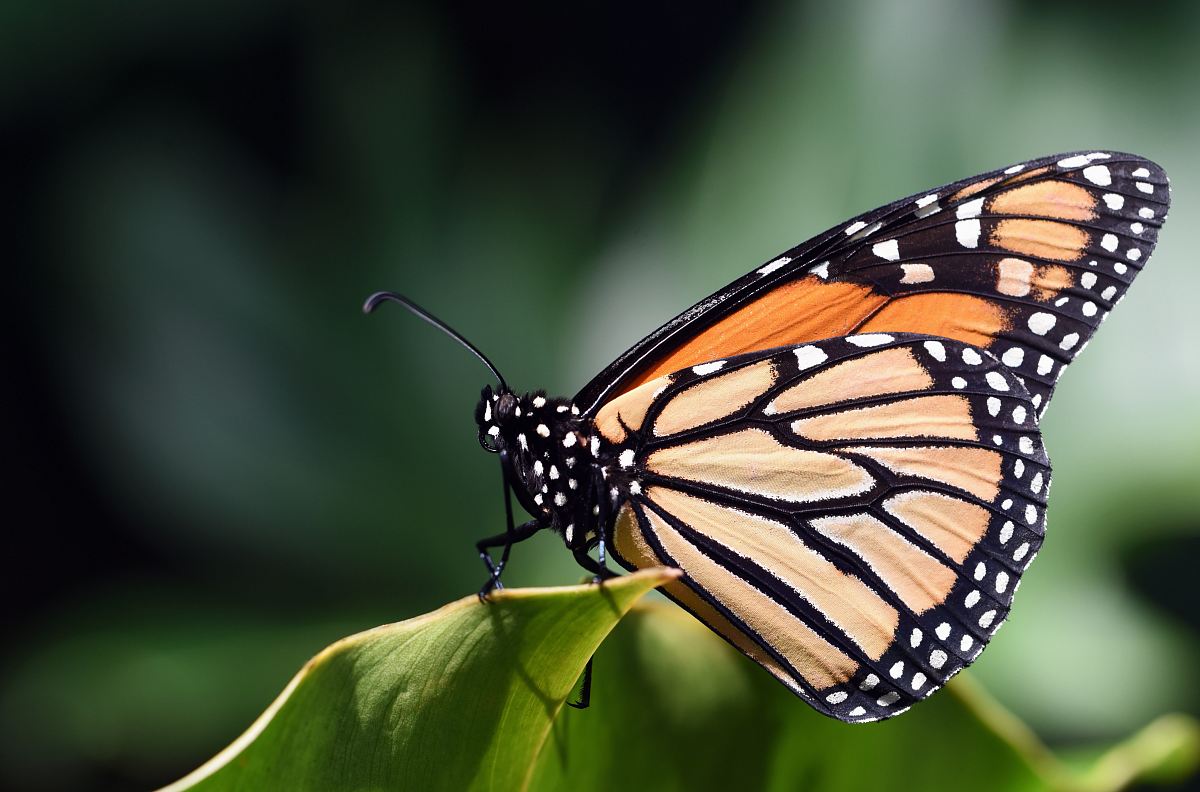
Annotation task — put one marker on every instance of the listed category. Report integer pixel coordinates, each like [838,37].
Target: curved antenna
[377,298]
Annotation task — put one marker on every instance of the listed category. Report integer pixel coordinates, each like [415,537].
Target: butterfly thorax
[551,466]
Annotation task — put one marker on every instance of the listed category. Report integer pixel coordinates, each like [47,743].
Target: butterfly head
[541,443]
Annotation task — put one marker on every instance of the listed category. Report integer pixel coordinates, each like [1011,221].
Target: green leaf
[470,697]
[461,698]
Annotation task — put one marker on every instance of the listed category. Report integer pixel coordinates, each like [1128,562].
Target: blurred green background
[220,466]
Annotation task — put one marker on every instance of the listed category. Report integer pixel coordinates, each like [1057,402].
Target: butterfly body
[841,450]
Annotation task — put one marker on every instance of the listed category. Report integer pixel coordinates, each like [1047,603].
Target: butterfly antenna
[378,298]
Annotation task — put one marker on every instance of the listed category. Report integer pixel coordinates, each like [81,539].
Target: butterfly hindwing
[854,513]
[1023,262]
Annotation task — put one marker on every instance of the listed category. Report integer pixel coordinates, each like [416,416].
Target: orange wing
[1024,262]
[853,514]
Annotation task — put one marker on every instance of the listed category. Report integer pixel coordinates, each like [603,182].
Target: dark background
[217,465]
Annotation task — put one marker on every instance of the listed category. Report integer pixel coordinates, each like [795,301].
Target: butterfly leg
[505,540]
[585,689]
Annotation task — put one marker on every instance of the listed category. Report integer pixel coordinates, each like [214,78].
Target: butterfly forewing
[1023,262]
[853,513]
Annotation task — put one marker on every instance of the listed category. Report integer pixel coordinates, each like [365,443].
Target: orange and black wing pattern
[1023,262]
[854,514]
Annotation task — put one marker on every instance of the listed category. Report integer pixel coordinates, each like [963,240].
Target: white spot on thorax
[626,458]
[539,401]
[543,430]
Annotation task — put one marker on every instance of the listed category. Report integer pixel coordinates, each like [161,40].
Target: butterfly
[841,449]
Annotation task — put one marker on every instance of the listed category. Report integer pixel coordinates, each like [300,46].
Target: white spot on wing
[774,265]
[927,205]
[708,368]
[997,381]
[1041,323]
[969,209]
[1109,242]
[1098,174]
[1014,169]
[1073,162]
[821,270]
[967,232]
[809,356]
[1013,357]
[916,273]
[1114,201]
[889,249]
[1141,173]
[937,350]
[1145,187]
[870,339]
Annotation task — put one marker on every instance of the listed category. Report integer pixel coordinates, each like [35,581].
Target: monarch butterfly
[840,450]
